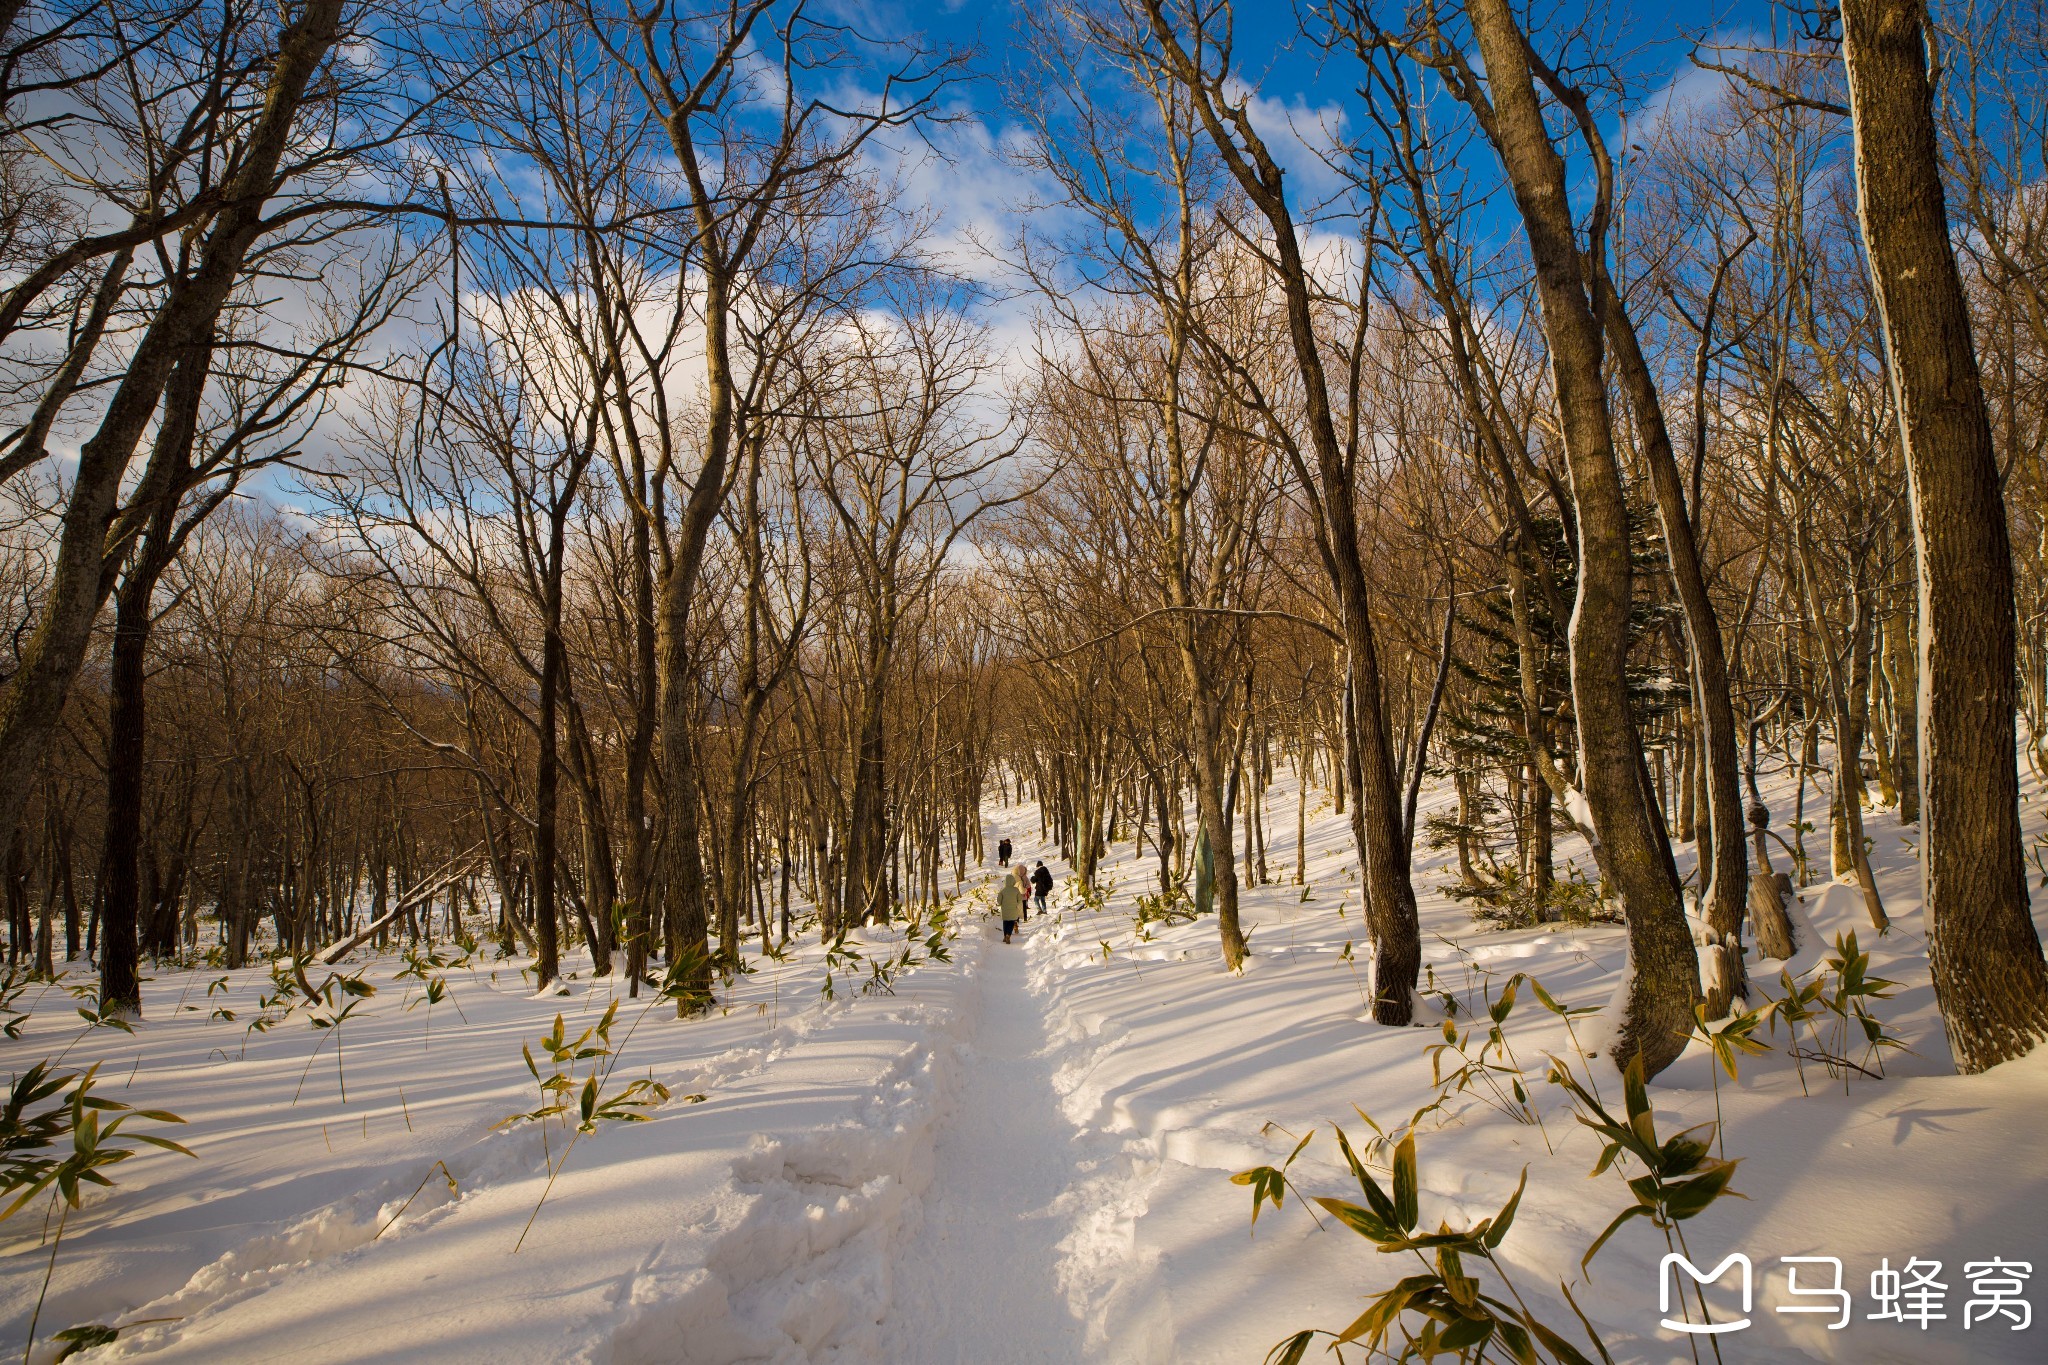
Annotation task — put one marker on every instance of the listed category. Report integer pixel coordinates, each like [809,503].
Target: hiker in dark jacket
[1041,887]
[1003,852]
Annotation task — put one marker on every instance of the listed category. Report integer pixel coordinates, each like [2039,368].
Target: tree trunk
[120,983]
[1725,874]
[127,728]
[867,844]
[1657,1011]
[682,853]
[547,962]
[600,871]
[33,701]
[640,750]
[1389,892]
[1989,977]
[1902,681]
[1209,801]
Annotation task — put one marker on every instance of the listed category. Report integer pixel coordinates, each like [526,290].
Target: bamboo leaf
[1364,1222]
[1498,1230]
[1405,1202]
[1632,1211]
[1291,1351]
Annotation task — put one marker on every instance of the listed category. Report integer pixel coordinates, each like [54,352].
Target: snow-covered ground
[1022,1154]
[1201,1074]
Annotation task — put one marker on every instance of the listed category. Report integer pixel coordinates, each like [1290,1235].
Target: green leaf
[1446,1239]
[165,1143]
[1564,1351]
[85,1338]
[1517,1341]
[1290,1351]
[1351,1159]
[1373,1323]
[1462,1335]
[1364,1222]
[1266,1183]
[1406,1212]
[1632,1211]
[1465,1241]
[1297,1149]
[1498,1230]
[28,1193]
[1688,1198]
[1682,1153]
[1375,1196]
[1635,1095]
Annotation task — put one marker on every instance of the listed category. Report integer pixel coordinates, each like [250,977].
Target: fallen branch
[459,866]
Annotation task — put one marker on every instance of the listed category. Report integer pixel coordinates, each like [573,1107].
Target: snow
[1020,1155]
[1581,812]
[976,1281]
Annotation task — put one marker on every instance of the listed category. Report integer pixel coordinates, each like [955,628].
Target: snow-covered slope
[1022,1154]
[1201,1074]
[758,1222]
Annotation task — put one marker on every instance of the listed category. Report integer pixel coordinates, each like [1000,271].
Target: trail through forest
[999,1153]
[980,1280]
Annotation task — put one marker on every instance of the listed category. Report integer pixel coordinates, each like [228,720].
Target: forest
[633,491]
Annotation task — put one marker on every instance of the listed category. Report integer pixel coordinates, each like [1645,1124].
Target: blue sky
[1301,90]
[1649,44]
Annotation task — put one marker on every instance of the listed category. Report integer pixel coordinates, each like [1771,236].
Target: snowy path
[1014,1154]
[980,1280]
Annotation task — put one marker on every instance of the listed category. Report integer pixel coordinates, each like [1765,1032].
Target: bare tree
[1989,976]
[1191,46]
[750,137]
[1574,291]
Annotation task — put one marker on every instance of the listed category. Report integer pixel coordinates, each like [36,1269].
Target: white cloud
[1692,93]
[1304,138]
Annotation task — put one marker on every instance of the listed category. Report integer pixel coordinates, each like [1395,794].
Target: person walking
[1022,879]
[1010,906]
[1003,852]
[1041,886]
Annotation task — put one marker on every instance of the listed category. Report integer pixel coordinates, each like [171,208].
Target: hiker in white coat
[1010,905]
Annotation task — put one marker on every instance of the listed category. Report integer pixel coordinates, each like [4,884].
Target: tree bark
[127,726]
[867,843]
[1726,885]
[1989,978]
[120,982]
[1665,983]
[682,854]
